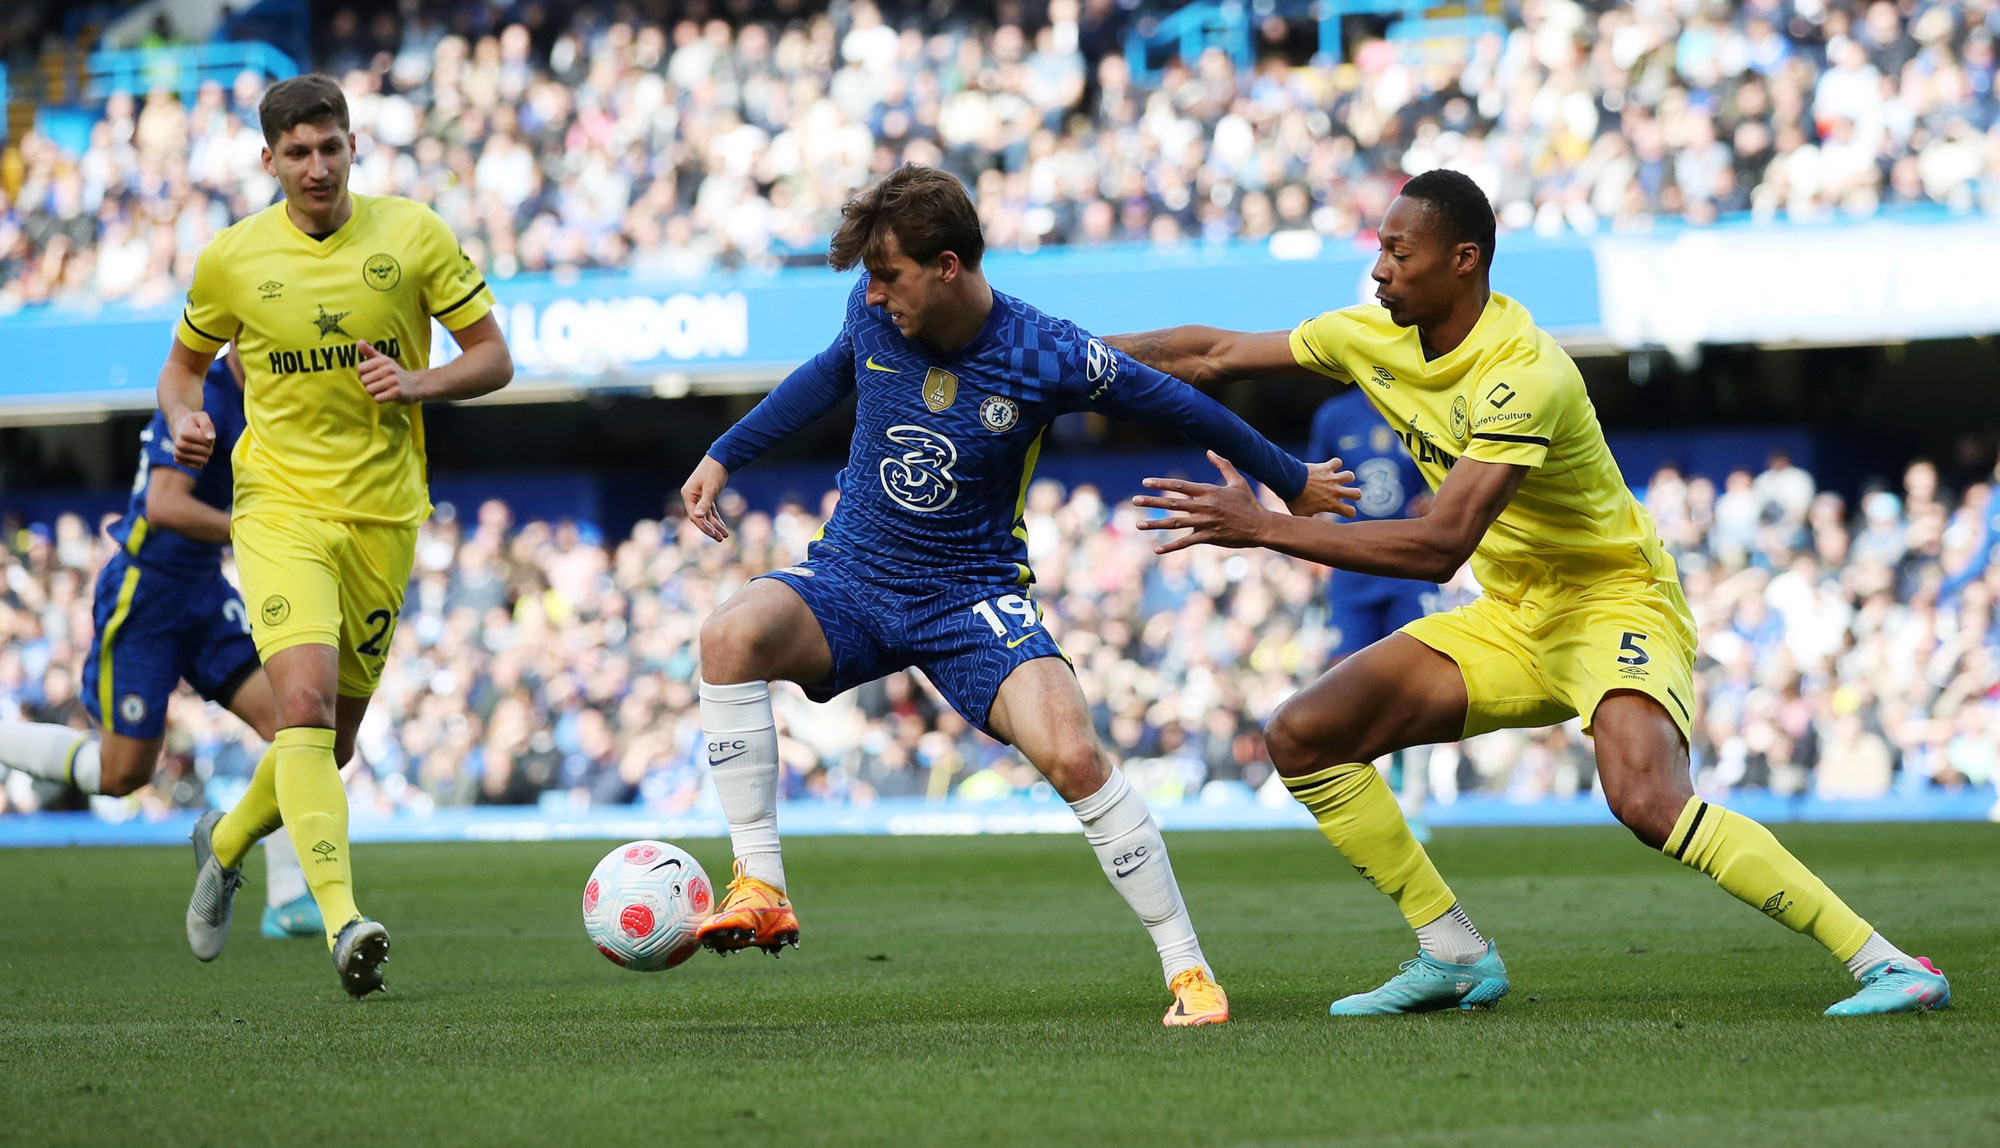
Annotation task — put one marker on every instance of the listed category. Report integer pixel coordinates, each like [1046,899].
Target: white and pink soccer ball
[643,903]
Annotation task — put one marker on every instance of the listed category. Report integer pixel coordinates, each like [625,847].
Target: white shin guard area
[741,741]
[1128,844]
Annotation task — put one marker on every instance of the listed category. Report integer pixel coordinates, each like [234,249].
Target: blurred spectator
[585,138]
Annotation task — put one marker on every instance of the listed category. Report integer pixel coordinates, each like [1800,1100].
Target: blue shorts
[1364,609]
[154,629]
[965,636]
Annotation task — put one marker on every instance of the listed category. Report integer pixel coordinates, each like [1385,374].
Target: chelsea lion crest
[999,413]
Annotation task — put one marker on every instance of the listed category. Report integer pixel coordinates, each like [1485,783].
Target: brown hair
[307,99]
[926,209]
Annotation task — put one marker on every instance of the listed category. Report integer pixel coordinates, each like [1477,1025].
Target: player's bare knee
[1648,809]
[730,644]
[1076,769]
[305,704]
[1303,742]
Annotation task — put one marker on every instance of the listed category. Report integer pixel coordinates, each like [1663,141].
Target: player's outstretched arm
[180,402]
[1428,549]
[1205,356]
[482,367]
[806,395]
[171,505]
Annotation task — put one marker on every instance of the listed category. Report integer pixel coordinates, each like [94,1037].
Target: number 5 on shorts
[1630,654]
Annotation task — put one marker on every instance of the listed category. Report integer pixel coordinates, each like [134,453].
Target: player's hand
[194,440]
[1226,515]
[386,380]
[1328,491]
[699,493]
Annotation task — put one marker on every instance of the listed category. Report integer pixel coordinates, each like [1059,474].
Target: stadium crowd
[1846,654]
[656,137]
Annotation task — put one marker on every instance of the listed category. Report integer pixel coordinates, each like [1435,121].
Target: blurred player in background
[924,562]
[1582,613]
[1365,608]
[164,613]
[329,297]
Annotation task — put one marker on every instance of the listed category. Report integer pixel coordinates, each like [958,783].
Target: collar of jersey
[979,341]
[332,242]
[1496,304]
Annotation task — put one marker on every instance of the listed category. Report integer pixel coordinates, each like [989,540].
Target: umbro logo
[326,850]
[1383,377]
[1776,903]
[270,289]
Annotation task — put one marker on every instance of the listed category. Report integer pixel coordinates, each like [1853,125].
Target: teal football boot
[1426,984]
[1893,986]
[295,918]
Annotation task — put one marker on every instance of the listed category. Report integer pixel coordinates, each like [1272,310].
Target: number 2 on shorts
[1012,604]
[372,648]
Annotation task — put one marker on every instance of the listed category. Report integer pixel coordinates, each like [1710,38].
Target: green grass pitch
[980,991]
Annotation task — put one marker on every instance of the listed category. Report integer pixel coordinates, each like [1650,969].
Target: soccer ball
[643,903]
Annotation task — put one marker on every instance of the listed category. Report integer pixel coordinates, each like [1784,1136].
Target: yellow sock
[1749,863]
[315,809]
[1359,814]
[254,818]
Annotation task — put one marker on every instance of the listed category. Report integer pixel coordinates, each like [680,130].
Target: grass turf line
[995,991]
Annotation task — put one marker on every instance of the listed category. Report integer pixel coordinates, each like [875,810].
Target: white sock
[1874,951]
[741,742]
[284,881]
[1452,938]
[1122,831]
[51,752]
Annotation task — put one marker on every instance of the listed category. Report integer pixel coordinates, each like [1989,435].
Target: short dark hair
[1459,211]
[926,209]
[307,99]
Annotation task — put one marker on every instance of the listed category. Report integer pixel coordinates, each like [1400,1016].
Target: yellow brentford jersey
[1507,394]
[296,307]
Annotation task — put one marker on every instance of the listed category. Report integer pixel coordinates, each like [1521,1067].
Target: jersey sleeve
[1112,382]
[208,322]
[805,396]
[451,288]
[1515,416]
[1316,346]
[157,444]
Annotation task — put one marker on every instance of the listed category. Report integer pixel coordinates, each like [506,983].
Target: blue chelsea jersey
[163,550]
[1348,428]
[945,442]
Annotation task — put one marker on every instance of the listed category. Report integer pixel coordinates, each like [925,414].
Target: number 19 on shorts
[1020,614]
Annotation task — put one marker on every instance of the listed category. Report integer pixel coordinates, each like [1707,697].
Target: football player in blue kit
[924,562]
[1362,609]
[164,612]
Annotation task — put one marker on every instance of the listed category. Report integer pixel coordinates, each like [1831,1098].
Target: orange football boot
[1197,999]
[753,914]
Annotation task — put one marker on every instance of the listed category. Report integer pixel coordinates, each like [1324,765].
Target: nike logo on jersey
[872,365]
[1019,640]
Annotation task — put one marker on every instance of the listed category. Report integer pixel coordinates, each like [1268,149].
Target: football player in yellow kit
[1582,612]
[329,297]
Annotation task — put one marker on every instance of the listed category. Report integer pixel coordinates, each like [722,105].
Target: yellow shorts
[1545,662]
[325,582]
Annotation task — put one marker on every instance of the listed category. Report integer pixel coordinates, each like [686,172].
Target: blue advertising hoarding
[619,330]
